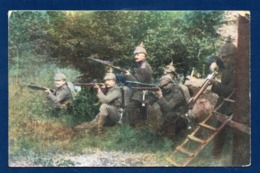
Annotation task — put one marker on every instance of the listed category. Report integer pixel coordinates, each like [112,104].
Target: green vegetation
[42,43]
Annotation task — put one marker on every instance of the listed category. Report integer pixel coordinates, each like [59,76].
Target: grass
[36,134]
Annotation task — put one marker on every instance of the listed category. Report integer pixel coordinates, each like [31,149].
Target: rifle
[146,88]
[192,100]
[203,87]
[142,84]
[37,87]
[107,63]
[88,84]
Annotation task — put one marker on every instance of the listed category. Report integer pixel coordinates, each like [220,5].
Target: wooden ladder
[187,155]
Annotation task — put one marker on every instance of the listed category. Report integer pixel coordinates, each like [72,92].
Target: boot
[86,125]
[100,124]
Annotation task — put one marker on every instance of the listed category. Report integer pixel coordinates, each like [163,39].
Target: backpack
[185,92]
[72,89]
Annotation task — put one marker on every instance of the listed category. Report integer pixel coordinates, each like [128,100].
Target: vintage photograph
[129,88]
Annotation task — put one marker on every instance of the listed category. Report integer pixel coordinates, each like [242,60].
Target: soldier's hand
[213,67]
[159,93]
[47,90]
[97,87]
[127,73]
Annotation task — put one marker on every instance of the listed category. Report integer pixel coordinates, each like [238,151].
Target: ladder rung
[220,114]
[229,100]
[173,161]
[184,151]
[196,139]
[208,126]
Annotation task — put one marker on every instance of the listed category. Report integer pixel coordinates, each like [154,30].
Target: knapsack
[72,89]
[185,92]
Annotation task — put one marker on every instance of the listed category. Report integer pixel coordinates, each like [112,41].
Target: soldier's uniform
[110,104]
[171,105]
[224,89]
[62,97]
[109,113]
[136,111]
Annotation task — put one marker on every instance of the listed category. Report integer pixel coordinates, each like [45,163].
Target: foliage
[67,38]
[42,43]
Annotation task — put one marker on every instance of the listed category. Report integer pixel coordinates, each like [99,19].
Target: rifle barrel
[142,84]
[87,84]
[107,64]
[146,88]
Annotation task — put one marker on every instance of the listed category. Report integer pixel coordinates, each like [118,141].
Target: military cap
[59,76]
[110,76]
[165,79]
[227,48]
[170,68]
[140,49]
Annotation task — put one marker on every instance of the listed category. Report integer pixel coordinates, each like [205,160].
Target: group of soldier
[169,96]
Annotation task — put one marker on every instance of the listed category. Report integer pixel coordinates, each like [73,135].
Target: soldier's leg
[113,115]
[219,141]
[133,113]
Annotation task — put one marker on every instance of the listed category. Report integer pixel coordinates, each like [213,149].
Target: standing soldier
[111,102]
[63,95]
[223,89]
[136,110]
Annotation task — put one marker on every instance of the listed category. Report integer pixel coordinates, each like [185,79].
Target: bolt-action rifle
[38,87]
[141,84]
[192,100]
[107,63]
[146,88]
[202,88]
[89,84]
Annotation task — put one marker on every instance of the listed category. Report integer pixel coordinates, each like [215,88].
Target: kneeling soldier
[171,101]
[110,103]
[63,94]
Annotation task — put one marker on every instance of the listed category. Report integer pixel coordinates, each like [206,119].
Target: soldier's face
[227,60]
[59,83]
[165,84]
[139,57]
[109,83]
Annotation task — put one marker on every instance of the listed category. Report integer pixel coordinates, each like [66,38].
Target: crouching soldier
[63,95]
[111,103]
[171,101]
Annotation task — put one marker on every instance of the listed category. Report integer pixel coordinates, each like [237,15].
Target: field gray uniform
[224,89]
[110,104]
[135,111]
[62,96]
[171,104]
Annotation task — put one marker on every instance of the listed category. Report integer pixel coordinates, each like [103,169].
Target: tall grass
[37,132]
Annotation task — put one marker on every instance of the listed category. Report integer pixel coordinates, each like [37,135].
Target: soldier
[171,101]
[171,71]
[111,102]
[136,110]
[63,95]
[223,89]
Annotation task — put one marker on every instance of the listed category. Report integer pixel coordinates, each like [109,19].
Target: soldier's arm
[115,94]
[174,102]
[224,89]
[63,95]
